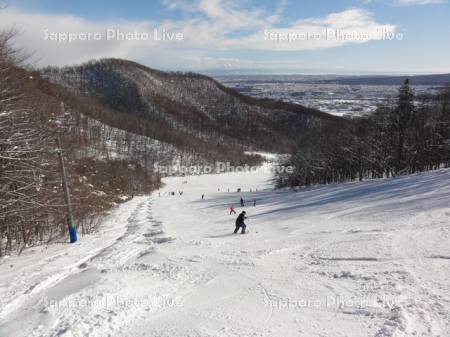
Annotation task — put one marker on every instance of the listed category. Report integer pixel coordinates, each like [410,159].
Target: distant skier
[232,210]
[242,202]
[240,223]
[254,203]
[203,196]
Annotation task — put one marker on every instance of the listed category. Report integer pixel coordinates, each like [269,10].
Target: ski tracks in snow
[422,291]
[95,295]
[108,307]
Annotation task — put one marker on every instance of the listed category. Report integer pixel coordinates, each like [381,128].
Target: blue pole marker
[73,234]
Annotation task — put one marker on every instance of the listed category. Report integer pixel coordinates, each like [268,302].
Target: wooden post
[70,223]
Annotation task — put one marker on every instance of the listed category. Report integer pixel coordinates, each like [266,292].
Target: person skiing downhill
[232,210]
[240,223]
[242,202]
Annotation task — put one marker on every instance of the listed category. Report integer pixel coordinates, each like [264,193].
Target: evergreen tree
[402,118]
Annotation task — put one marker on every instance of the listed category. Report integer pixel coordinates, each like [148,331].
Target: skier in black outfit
[242,202]
[240,223]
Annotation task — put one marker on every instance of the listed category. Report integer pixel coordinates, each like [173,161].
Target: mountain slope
[194,104]
[358,260]
[110,156]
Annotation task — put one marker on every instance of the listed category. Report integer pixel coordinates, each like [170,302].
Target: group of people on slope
[239,223]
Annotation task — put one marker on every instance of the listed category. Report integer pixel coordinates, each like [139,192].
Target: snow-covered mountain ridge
[194,105]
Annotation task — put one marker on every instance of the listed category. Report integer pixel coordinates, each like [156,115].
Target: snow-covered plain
[357,259]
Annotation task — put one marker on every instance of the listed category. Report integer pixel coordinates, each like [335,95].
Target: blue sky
[232,35]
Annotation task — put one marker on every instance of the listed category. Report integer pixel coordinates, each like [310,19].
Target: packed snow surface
[358,259]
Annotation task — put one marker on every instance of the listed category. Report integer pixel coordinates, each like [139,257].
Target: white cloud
[353,26]
[209,27]
[32,28]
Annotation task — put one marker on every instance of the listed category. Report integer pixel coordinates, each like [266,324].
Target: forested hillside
[187,109]
[403,136]
[106,165]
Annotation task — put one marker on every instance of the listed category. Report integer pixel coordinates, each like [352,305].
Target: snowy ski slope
[357,259]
